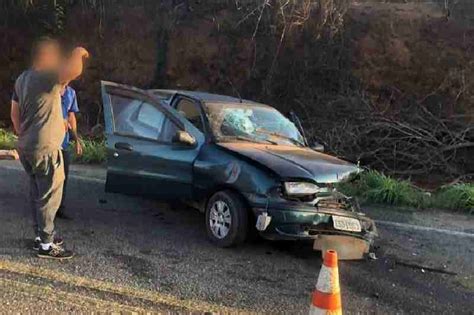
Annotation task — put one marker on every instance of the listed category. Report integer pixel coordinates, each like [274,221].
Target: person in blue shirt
[69,109]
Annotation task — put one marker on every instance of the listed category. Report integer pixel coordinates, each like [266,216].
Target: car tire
[232,204]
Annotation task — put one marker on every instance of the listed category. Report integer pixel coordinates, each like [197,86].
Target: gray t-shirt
[41,122]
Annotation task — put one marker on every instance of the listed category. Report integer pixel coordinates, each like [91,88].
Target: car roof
[203,96]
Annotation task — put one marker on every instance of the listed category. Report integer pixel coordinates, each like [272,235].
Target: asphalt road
[139,255]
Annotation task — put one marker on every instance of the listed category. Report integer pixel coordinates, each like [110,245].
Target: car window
[136,118]
[191,111]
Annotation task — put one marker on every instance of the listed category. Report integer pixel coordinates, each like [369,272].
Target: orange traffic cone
[327,296]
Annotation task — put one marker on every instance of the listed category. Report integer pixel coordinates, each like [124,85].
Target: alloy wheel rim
[220,219]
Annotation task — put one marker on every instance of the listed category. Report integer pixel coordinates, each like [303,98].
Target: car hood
[295,162]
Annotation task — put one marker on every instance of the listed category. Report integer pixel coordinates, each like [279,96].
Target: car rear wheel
[226,219]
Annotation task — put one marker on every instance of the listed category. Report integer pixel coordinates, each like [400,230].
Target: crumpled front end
[332,221]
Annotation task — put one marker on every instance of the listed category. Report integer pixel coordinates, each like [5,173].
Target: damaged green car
[243,164]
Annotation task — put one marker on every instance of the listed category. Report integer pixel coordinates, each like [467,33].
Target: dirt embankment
[416,63]
[413,49]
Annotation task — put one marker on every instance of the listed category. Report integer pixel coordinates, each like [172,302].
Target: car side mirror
[317,147]
[183,137]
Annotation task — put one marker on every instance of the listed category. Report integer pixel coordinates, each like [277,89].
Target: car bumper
[304,223]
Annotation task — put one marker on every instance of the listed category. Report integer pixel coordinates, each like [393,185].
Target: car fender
[217,169]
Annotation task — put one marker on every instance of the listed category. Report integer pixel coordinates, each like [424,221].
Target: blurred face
[47,56]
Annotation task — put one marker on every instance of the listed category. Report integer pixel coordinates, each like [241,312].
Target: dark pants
[46,174]
[67,162]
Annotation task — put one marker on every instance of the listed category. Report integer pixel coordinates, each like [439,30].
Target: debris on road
[424,268]
[347,247]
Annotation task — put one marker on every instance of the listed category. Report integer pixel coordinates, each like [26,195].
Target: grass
[93,152]
[375,187]
[7,140]
[93,149]
[458,196]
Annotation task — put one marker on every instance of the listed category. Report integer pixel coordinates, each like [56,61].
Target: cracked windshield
[255,123]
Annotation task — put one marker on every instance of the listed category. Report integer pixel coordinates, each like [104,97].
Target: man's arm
[72,69]
[15,116]
[72,121]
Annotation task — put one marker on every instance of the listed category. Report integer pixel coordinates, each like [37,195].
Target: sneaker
[55,252]
[57,241]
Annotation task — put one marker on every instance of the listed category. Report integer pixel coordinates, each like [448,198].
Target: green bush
[93,152]
[455,197]
[7,139]
[387,190]
[376,187]
[93,149]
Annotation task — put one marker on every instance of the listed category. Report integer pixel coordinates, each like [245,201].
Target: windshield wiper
[275,134]
[243,138]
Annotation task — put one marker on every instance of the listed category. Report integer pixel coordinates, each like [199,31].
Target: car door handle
[123,146]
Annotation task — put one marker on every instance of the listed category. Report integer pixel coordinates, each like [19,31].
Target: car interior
[141,119]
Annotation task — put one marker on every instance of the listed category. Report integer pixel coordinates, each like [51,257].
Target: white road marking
[424,228]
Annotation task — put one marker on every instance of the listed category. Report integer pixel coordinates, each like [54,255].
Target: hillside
[385,82]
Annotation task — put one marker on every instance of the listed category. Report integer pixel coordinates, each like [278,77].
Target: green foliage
[93,149]
[384,189]
[93,152]
[457,197]
[375,187]
[7,140]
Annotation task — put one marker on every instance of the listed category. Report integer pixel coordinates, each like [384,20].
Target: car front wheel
[226,219]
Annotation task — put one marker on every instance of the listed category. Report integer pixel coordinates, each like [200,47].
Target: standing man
[38,122]
[69,109]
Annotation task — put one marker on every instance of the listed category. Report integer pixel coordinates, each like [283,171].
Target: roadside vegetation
[93,149]
[7,140]
[377,188]
[93,152]
[459,196]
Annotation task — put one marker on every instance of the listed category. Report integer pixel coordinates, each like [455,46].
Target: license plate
[346,224]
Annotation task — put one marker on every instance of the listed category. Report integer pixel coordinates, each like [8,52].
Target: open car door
[150,147]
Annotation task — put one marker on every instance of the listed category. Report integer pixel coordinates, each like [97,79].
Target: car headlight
[301,188]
